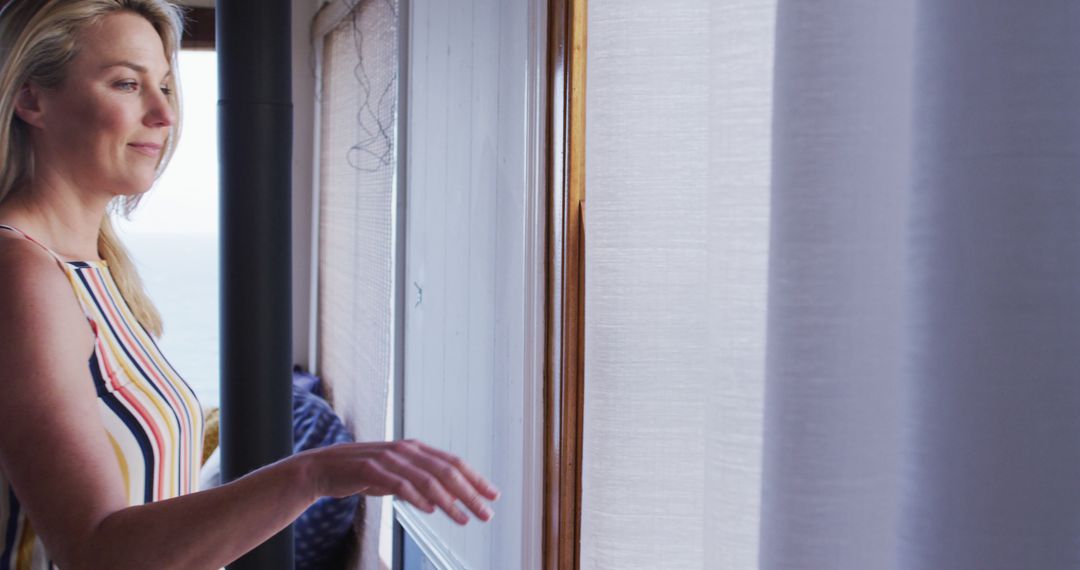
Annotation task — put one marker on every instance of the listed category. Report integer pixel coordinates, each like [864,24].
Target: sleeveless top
[152,417]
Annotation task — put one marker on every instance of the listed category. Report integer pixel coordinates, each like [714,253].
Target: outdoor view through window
[173,234]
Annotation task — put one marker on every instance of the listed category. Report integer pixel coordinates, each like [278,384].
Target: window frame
[564,381]
[329,16]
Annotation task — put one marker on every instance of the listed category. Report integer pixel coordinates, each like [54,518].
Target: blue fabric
[323,530]
[307,381]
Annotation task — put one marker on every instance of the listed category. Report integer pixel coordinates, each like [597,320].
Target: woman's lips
[149,149]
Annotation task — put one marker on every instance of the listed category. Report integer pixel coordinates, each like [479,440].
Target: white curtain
[677,180]
[899,389]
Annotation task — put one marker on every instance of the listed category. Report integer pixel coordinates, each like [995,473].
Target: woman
[99,438]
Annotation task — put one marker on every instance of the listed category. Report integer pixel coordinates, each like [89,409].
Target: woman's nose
[160,112]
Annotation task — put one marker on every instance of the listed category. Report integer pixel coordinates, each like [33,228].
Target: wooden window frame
[564,366]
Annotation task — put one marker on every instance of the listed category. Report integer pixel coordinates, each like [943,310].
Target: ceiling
[195,3]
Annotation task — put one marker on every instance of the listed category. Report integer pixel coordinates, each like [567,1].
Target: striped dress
[152,417]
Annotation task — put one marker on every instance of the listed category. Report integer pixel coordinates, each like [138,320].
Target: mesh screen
[356,170]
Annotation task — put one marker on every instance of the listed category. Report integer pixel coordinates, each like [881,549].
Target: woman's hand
[426,477]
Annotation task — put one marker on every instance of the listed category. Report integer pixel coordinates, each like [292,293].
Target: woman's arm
[208,529]
[55,453]
[212,528]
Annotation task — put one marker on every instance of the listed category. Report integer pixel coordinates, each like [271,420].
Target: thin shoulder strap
[34,241]
[63,265]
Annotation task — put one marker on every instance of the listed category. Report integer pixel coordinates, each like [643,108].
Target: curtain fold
[922,408]
[900,389]
[992,417]
[837,302]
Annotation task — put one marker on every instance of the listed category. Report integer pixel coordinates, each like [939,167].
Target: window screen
[357,162]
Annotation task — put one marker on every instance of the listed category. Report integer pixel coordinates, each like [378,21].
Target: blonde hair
[37,41]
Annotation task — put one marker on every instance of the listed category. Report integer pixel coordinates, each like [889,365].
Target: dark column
[255,122]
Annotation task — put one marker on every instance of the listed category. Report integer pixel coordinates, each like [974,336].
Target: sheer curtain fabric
[833,291]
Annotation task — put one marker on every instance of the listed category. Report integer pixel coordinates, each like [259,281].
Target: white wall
[303,87]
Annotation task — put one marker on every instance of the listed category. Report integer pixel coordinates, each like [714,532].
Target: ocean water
[180,273]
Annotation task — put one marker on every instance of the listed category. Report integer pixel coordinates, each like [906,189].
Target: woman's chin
[132,190]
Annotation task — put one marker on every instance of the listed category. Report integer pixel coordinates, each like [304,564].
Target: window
[172,236]
[430,232]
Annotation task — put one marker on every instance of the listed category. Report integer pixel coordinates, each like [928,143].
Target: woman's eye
[166,90]
[127,85]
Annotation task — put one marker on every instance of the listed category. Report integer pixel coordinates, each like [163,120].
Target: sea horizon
[180,274]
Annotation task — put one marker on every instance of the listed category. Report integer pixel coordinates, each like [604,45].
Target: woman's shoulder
[26,268]
[37,302]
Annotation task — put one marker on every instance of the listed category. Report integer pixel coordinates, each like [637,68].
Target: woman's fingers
[385,482]
[427,483]
[483,485]
[426,477]
[450,474]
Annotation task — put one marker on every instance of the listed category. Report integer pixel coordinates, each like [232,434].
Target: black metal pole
[255,149]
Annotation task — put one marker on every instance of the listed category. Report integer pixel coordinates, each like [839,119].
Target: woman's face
[104,127]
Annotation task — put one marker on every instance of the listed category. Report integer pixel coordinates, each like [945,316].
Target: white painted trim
[398,223]
[400,218]
[316,172]
[401,229]
[429,543]
[535,254]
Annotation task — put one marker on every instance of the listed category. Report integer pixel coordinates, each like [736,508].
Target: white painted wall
[473,224]
[303,88]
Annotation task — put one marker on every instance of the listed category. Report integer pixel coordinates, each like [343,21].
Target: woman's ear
[28,105]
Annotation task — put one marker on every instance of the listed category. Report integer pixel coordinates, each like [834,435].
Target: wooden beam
[564,369]
[199,29]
